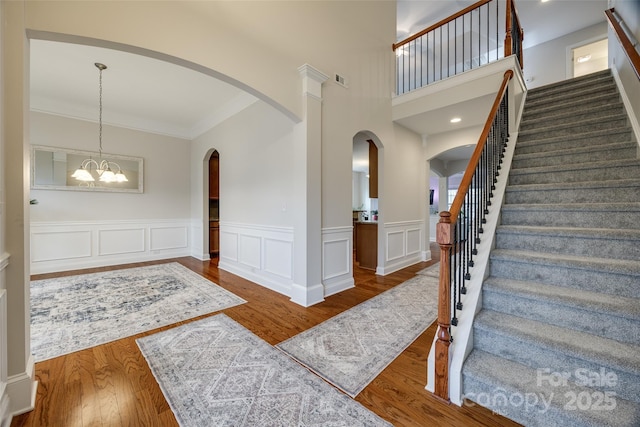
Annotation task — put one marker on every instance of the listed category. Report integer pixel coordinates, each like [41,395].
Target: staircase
[557,341]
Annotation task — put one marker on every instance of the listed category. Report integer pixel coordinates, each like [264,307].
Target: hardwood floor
[111,384]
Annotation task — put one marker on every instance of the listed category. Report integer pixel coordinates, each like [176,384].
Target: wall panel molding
[337,259]
[262,254]
[66,245]
[404,245]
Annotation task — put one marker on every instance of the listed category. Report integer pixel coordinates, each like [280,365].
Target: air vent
[341,80]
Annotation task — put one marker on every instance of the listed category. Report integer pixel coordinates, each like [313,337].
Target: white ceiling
[155,96]
[138,92]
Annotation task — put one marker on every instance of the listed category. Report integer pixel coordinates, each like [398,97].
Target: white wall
[80,229]
[547,62]
[629,10]
[166,176]
[256,195]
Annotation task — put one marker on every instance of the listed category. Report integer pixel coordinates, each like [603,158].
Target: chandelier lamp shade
[106,171]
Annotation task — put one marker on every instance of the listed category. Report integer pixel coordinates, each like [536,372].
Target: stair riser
[580,175]
[576,140]
[571,245]
[621,284]
[564,159]
[531,354]
[596,323]
[563,131]
[576,116]
[575,195]
[551,111]
[535,102]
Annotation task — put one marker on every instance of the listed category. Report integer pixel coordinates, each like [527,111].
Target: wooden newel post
[508,42]
[444,237]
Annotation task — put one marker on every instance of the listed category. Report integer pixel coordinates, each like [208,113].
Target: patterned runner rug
[352,348]
[215,372]
[77,312]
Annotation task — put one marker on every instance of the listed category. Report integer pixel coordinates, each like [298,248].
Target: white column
[307,288]
[14,141]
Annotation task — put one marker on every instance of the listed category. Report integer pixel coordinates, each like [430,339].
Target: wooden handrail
[632,54]
[441,23]
[445,239]
[475,157]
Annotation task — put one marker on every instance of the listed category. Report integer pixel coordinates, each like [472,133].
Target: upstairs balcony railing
[465,40]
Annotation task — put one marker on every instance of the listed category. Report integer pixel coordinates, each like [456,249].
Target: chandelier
[104,169]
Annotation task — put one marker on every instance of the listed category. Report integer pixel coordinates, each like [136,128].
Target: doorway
[589,58]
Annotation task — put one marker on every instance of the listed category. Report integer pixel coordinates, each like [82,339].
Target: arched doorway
[366,195]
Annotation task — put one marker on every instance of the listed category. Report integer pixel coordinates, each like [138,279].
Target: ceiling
[156,96]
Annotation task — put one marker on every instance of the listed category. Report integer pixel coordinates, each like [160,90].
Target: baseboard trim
[307,296]
[21,390]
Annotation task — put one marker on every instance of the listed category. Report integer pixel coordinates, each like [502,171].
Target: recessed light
[584,58]
[544,1]
[456,120]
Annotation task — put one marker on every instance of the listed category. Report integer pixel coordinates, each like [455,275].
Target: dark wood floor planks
[112,385]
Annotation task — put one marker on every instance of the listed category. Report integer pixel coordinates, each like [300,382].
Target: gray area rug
[215,372]
[352,348]
[77,312]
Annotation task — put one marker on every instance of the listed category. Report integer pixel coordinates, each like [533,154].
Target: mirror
[51,169]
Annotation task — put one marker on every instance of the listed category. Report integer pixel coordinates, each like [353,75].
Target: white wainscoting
[5,416]
[404,245]
[259,253]
[61,246]
[337,259]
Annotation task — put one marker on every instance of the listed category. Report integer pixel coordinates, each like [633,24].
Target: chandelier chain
[100,113]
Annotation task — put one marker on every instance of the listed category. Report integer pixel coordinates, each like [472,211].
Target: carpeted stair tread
[534,100]
[597,123]
[633,207]
[628,308]
[605,233]
[543,110]
[630,267]
[569,186]
[584,112]
[609,316]
[492,376]
[579,138]
[602,242]
[620,190]
[596,78]
[568,153]
[576,172]
[617,355]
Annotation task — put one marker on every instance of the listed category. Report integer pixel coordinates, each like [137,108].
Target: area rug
[352,348]
[215,372]
[432,270]
[77,312]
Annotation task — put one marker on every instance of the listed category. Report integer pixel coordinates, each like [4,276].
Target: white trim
[339,277]
[21,390]
[407,256]
[46,256]
[4,260]
[633,121]
[5,416]
[256,266]
[569,57]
